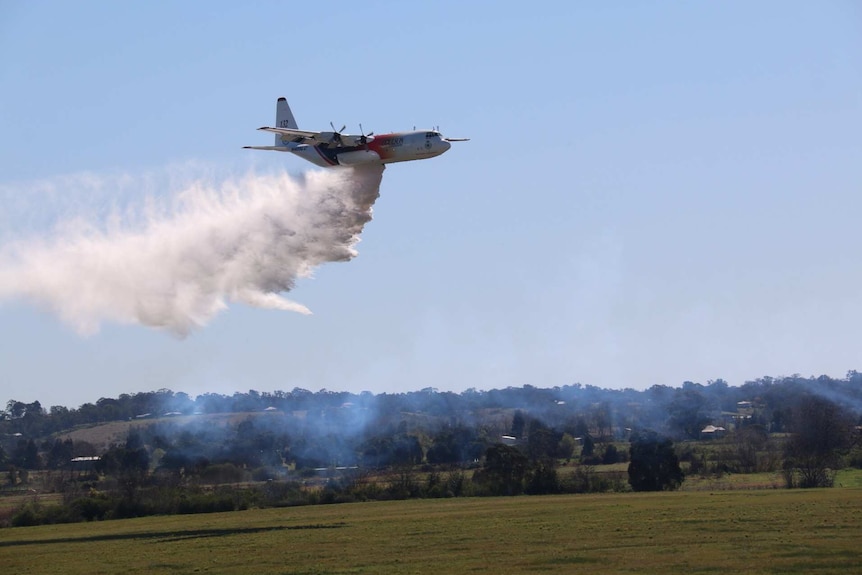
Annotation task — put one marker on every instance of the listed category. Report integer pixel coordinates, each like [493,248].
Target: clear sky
[654,192]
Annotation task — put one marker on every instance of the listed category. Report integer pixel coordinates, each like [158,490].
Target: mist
[181,256]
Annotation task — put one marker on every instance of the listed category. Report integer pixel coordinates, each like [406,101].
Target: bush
[91,508]
[222,473]
[653,465]
[854,458]
[28,516]
[205,503]
[34,513]
[457,484]
[543,480]
[611,455]
[263,474]
[127,509]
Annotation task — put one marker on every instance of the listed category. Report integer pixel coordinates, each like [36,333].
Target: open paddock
[764,531]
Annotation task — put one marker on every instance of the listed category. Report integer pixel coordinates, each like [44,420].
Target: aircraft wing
[293,134]
[315,138]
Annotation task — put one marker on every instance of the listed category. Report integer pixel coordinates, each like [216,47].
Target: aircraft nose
[445,145]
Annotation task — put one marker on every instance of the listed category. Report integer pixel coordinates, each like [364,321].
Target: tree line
[677,412]
[301,447]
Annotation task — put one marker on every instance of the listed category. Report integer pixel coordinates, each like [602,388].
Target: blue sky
[654,192]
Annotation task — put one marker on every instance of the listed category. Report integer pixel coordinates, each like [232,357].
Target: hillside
[103,435]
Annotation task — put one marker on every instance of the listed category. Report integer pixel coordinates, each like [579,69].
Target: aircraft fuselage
[383,148]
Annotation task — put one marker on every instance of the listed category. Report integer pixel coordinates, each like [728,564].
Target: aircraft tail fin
[283,119]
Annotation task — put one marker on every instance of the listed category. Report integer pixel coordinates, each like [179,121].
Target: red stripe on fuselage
[377,145]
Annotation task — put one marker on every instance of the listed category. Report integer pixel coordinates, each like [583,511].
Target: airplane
[336,148]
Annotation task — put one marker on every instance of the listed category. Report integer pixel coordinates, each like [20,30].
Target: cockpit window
[431,134]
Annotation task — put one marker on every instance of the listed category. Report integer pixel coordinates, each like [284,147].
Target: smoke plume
[175,265]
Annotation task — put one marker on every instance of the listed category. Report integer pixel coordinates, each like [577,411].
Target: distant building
[82,464]
[712,432]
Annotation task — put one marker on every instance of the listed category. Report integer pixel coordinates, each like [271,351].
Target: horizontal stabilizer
[271,148]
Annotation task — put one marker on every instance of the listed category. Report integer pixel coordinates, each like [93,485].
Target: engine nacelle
[357,140]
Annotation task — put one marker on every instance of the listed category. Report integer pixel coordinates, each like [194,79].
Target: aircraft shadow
[168,536]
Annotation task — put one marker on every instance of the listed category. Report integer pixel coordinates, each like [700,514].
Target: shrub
[222,473]
[653,465]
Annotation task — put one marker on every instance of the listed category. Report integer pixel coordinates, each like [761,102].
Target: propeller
[363,138]
[336,134]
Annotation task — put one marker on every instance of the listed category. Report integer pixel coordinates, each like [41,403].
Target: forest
[178,454]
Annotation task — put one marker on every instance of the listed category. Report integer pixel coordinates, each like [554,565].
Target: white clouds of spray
[175,264]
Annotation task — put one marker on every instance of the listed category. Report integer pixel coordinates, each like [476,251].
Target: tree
[602,421]
[518,424]
[504,470]
[566,447]
[611,454]
[442,451]
[455,445]
[129,464]
[541,443]
[689,411]
[407,450]
[26,455]
[749,441]
[59,453]
[16,409]
[588,447]
[821,431]
[543,478]
[653,465]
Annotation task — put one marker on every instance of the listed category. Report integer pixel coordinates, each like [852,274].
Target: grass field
[849,478]
[764,531]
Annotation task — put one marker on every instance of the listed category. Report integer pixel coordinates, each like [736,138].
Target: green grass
[10,501]
[766,531]
[727,481]
[849,478]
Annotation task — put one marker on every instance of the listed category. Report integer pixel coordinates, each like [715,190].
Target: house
[84,464]
[712,432]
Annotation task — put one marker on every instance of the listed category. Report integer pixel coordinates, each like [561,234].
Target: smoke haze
[173,264]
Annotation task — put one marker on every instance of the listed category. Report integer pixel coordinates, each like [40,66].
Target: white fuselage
[384,149]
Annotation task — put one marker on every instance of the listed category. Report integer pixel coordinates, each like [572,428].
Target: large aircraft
[338,149]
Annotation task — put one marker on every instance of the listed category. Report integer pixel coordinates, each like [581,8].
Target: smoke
[174,263]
